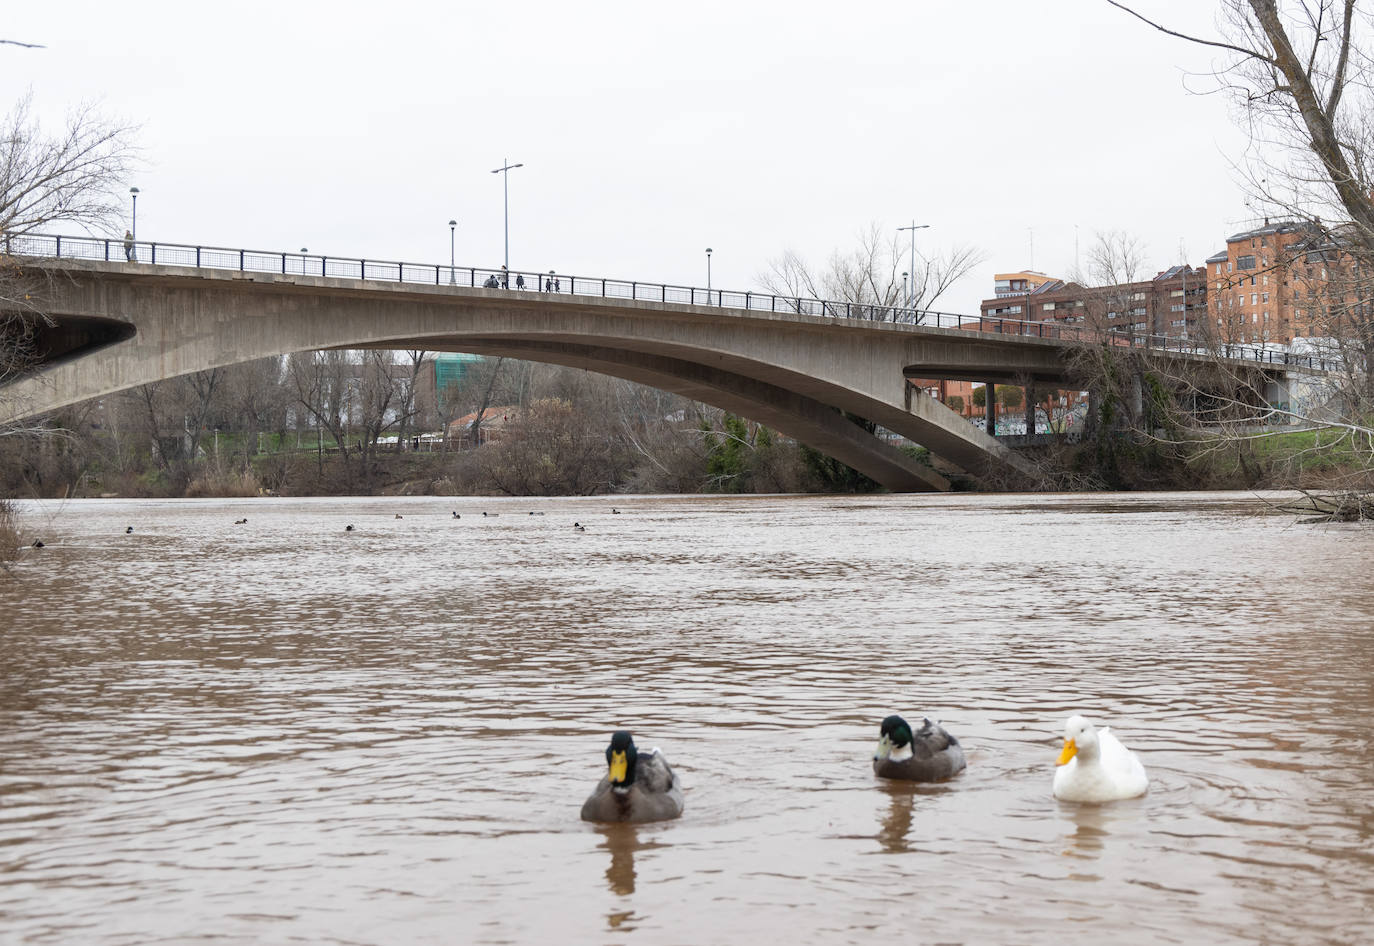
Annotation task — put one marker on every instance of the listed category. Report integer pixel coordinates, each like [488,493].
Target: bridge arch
[793,372]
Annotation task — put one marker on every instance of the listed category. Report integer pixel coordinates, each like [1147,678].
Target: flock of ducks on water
[577,526]
[1093,766]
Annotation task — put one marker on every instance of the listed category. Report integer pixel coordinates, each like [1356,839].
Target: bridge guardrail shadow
[46,246]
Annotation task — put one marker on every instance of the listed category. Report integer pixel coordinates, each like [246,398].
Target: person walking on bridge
[129,253]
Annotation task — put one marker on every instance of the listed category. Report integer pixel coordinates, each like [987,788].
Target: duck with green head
[638,786]
[930,754]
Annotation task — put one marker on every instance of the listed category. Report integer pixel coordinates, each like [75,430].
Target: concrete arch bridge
[793,364]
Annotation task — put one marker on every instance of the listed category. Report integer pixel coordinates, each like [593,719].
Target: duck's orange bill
[1070,750]
[618,766]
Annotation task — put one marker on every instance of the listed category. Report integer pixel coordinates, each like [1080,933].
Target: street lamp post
[911,294]
[504,170]
[708,275]
[133,230]
[452,236]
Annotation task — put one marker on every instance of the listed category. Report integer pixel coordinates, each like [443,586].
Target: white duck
[1095,766]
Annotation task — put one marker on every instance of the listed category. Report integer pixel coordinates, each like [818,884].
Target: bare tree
[48,181]
[1299,76]
[870,277]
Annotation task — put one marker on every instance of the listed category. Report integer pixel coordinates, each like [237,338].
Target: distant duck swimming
[349,527]
[1095,766]
[928,755]
[398,516]
[38,544]
[129,530]
[579,527]
[614,511]
[638,786]
[455,514]
[240,522]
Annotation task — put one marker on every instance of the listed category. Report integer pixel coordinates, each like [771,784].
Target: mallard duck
[928,755]
[1095,766]
[638,786]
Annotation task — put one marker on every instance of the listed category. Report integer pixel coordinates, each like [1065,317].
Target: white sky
[651,132]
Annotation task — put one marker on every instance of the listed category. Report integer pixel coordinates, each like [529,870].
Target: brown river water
[282,732]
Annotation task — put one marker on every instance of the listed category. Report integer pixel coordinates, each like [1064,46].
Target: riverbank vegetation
[332,423]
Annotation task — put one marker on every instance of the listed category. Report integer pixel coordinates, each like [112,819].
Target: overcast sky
[648,132]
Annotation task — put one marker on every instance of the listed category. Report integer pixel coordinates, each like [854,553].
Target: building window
[1176,308]
[1264,297]
[1228,266]
[1047,307]
[1253,298]
[1245,262]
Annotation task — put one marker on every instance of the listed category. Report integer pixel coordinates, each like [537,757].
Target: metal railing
[47,246]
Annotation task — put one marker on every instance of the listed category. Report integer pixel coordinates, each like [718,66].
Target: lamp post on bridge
[504,170]
[133,229]
[708,275]
[911,294]
[452,236]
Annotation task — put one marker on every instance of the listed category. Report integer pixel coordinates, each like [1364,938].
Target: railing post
[197,257]
[107,251]
[152,252]
[59,247]
[240,260]
[603,288]
[362,269]
[747,304]
[436,275]
[283,264]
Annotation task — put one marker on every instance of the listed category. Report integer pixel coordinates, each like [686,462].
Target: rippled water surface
[284,732]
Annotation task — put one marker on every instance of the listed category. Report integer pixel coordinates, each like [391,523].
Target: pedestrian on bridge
[129,253]
[519,280]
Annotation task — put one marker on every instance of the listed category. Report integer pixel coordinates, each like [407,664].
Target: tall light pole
[911,293]
[504,170]
[708,275]
[133,192]
[452,236]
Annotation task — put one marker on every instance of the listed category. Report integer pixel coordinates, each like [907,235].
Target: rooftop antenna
[1031,237]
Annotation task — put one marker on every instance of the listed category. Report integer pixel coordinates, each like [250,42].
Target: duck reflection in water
[622,840]
[896,826]
[1092,828]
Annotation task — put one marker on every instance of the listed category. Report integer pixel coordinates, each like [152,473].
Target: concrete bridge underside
[794,373]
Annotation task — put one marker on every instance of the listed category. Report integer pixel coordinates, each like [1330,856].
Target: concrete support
[1030,409]
[990,406]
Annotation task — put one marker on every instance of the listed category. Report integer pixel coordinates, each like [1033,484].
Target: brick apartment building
[1281,281]
[1170,304]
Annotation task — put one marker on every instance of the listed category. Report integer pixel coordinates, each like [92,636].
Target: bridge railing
[342,267]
